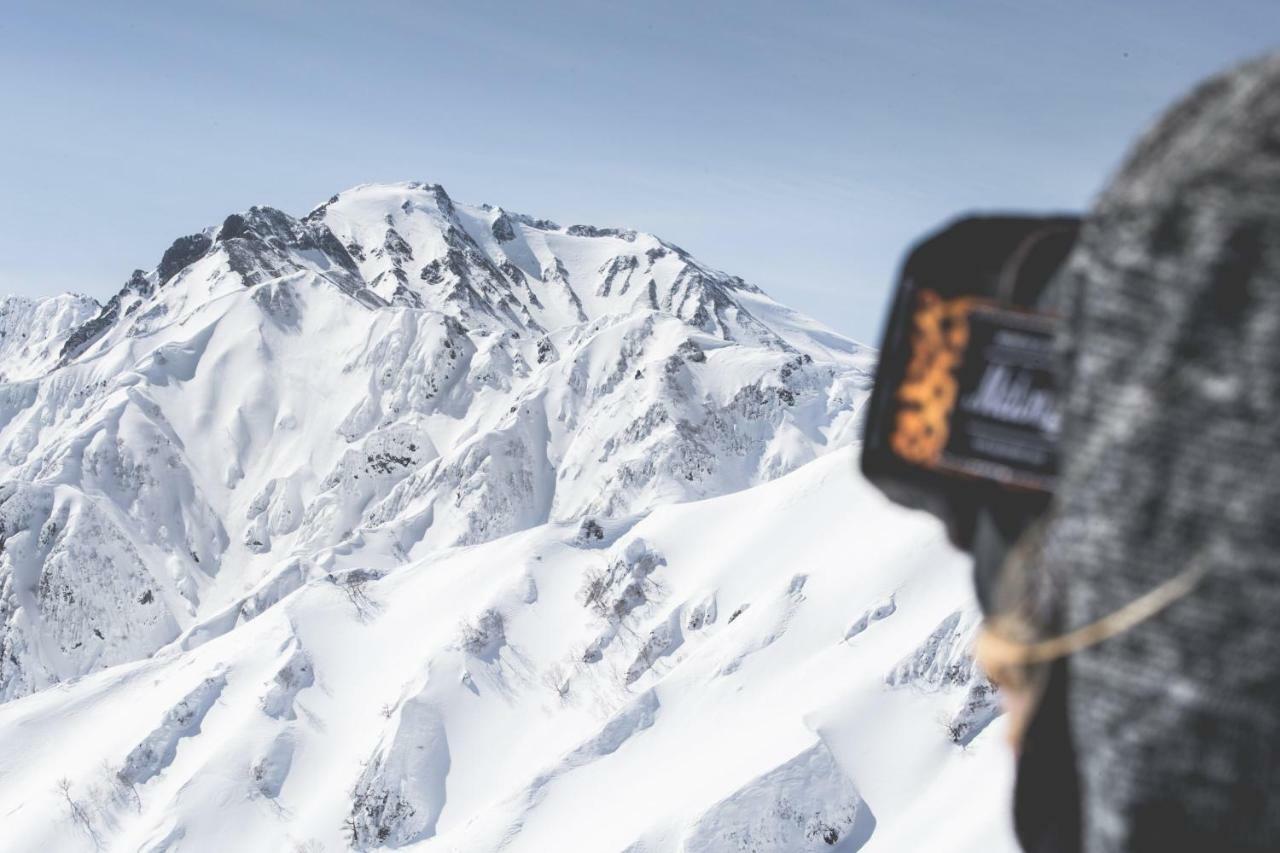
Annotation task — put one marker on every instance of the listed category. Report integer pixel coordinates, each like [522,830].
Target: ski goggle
[965,390]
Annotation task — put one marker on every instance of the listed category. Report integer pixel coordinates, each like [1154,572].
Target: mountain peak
[410,244]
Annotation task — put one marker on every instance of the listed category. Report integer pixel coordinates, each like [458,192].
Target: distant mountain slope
[781,669]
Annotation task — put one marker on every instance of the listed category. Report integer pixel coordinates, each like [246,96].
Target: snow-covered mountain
[385,527]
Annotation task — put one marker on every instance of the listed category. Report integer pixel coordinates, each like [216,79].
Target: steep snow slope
[780,669]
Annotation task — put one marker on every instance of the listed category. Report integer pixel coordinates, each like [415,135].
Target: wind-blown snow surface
[373,529]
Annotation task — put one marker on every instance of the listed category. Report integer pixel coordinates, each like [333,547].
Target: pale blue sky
[801,145]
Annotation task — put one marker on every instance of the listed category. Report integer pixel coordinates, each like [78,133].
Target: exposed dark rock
[540,224]
[593,231]
[79,340]
[395,246]
[502,230]
[590,530]
[690,351]
[257,243]
[184,252]
[233,226]
[623,264]
[432,273]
